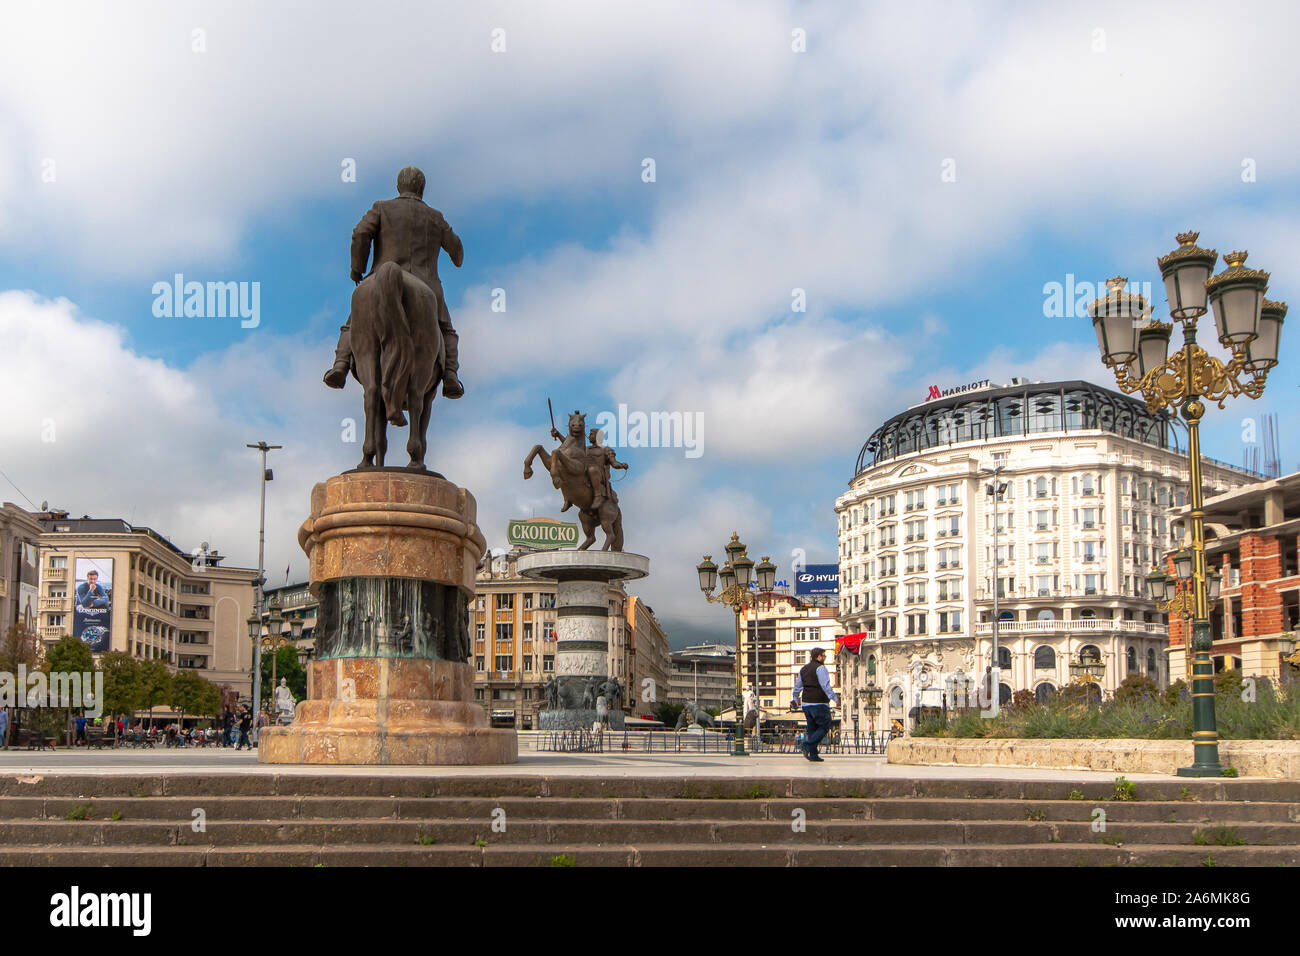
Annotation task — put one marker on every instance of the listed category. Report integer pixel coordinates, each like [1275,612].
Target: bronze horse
[568,466]
[397,356]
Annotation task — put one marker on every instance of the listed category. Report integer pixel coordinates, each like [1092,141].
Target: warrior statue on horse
[581,472]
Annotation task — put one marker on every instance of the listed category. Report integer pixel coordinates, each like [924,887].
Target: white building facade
[1089,475]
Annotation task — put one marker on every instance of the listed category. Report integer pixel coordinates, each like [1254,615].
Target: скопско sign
[542,533]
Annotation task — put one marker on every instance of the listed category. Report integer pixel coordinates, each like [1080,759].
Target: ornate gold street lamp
[1136,348]
[735,576]
[276,637]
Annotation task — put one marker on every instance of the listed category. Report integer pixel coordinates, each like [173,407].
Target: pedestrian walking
[813,691]
[245,725]
[4,728]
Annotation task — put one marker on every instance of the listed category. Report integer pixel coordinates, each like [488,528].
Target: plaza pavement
[836,766]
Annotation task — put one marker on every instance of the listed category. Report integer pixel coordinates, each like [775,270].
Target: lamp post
[735,577]
[995,490]
[276,637]
[259,596]
[1136,348]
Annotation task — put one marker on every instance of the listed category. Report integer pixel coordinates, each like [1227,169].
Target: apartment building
[1251,533]
[123,587]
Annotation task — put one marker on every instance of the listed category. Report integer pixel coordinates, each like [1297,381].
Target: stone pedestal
[393,556]
[582,580]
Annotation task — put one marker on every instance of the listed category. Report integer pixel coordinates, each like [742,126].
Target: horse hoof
[416,466]
[397,419]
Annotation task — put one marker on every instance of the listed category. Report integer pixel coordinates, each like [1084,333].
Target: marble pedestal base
[389,711]
[392,556]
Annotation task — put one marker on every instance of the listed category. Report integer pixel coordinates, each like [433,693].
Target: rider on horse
[410,233]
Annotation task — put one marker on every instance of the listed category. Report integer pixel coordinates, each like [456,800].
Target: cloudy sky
[785,220]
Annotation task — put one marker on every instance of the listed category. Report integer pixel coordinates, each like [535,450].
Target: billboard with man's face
[92,607]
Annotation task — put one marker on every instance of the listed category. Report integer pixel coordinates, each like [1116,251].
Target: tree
[667,713]
[69,656]
[20,646]
[155,685]
[185,693]
[123,691]
[209,700]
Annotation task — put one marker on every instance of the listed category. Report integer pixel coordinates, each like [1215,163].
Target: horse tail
[396,350]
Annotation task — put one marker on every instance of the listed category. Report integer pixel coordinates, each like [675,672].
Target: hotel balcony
[53,633]
[1079,625]
[52,604]
[56,574]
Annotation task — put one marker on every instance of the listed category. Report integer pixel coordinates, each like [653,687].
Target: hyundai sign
[818,579]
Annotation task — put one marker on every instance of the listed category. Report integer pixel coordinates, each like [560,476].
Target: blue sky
[208,139]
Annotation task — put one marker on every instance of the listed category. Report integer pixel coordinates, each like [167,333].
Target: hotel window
[887,506]
[888,536]
[528,601]
[505,633]
[480,604]
[950,589]
[1006,586]
[914,500]
[548,630]
[528,630]
[528,663]
[505,662]
[479,630]
[949,621]
[1043,585]
[505,602]
[888,566]
[1040,488]
[1042,519]
[548,663]
[915,624]
[888,626]
[478,664]
[1006,553]
[915,530]
[949,527]
[947,495]
[915,562]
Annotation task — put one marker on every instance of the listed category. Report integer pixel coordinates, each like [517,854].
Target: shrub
[1137,686]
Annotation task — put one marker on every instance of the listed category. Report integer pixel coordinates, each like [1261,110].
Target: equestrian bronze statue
[399,342]
[581,472]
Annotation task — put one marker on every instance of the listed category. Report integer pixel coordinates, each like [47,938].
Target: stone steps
[345,820]
[676,855]
[632,832]
[578,787]
[243,807]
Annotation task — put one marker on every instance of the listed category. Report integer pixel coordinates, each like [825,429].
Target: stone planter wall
[1279,759]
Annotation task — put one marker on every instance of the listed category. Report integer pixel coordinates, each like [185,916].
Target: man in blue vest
[813,688]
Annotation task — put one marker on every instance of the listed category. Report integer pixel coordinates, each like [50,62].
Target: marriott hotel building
[1090,476]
